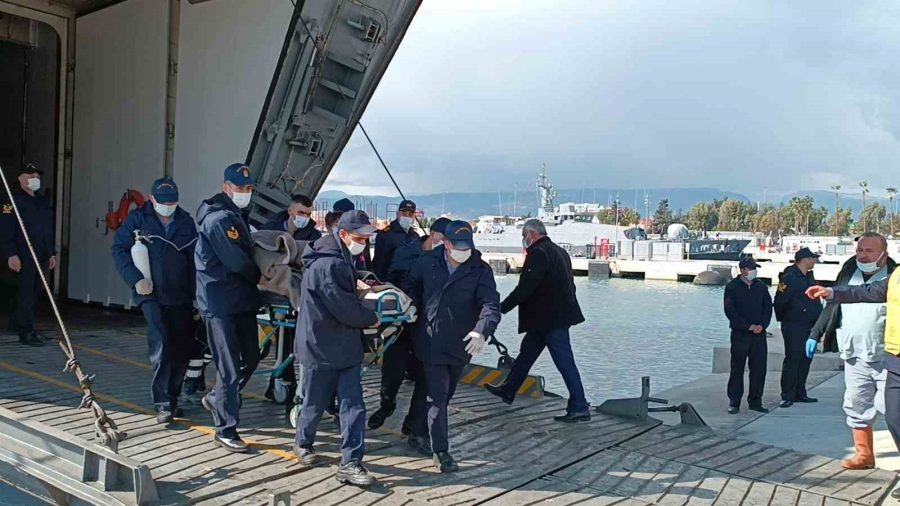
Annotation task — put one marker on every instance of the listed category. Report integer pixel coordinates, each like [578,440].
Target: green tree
[769,222]
[735,215]
[801,211]
[817,221]
[627,216]
[839,223]
[606,216]
[662,218]
[702,216]
[870,217]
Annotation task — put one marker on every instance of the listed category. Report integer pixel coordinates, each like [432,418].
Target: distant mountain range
[475,204]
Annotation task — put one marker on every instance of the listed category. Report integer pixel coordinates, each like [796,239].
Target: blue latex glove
[811,345]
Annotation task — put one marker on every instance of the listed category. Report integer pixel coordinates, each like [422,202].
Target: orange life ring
[114,219]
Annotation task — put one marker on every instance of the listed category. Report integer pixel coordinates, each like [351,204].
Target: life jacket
[892,325]
[114,219]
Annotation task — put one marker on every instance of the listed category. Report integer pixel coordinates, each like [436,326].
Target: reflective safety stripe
[892,326]
[480,375]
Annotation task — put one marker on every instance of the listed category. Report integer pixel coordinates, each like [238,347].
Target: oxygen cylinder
[140,255]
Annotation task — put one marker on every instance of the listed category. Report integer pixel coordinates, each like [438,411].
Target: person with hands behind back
[748,307]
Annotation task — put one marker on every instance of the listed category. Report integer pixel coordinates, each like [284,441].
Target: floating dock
[509,455]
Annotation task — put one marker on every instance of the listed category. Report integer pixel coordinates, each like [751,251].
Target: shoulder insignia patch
[232,234]
[782,287]
[7,208]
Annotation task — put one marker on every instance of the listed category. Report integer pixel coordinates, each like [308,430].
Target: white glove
[144,287]
[476,343]
[411,312]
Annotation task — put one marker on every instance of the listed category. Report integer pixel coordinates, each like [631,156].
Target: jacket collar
[539,241]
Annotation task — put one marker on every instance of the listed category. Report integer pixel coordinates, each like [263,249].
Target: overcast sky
[734,94]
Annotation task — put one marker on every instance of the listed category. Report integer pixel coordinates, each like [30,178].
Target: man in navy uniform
[165,298]
[548,307]
[748,307]
[458,303]
[296,220]
[37,214]
[329,345]
[399,232]
[228,298]
[797,314]
[399,358]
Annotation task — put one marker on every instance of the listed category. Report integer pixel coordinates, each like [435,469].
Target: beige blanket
[277,255]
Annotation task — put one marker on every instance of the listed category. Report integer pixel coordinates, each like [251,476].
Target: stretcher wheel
[281,390]
[294,415]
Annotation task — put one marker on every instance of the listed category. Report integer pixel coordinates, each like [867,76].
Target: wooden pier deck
[509,455]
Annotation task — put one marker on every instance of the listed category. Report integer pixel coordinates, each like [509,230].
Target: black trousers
[429,409]
[170,342]
[747,348]
[29,289]
[393,371]
[795,368]
[235,351]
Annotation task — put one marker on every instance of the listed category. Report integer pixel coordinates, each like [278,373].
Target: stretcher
[277,322]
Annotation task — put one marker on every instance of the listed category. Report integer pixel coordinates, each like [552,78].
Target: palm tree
[891,192]
[865,190]
[837,189]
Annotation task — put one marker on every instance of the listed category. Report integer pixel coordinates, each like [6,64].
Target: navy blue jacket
[747,305]
[226,273]
[331,314]
[451,306]
[404,258]
[37,214]
[171,267]
[791,303]
[279,222]
[386,243]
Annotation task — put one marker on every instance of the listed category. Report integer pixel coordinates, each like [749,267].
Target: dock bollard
[598,269]
[499,265]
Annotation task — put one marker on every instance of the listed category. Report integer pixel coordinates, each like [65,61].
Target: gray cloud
[735,94]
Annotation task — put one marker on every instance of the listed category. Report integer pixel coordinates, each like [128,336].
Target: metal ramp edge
[69,467]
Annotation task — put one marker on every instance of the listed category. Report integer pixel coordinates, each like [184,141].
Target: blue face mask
[301,221]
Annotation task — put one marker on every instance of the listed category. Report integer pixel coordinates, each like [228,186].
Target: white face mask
[300,221]
[869,267]
[34,184]
[460,255]
[241,199]
[406,222]
[356,247]
[751,275]
[164,210]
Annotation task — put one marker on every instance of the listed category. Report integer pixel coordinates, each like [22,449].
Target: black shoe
[30,339]
[380,415]
[445,463]
[234,445]
[163,417]
[807,400]
[332,408]
[209,407]
[581,416]
[306,455]
[499,392]
[406,429]
[420,444]
[177,413]
[759,409]
[733,410]
[786,404]
[355,474]
[896,494]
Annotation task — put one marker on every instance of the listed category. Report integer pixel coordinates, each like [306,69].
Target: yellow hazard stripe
[528,383]
[491,376]
[472,375]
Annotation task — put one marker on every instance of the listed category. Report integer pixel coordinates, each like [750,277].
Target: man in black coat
[37,214]
[548,307]
[398,233]
[296,220]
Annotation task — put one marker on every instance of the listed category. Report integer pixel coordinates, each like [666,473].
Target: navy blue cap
[342,206]
[804,253]
[29,169]
[440,225]
[164,190]
[356,222]
[459,233]
[407,205]
[239,174]
[748,263]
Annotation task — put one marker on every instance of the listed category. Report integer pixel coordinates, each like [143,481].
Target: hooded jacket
[171,265]
[451,305]
[226,273]
[328,334]
[825,329]
[279,223]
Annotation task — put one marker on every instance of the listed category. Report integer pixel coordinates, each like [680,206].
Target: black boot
[30,339]
[420,444]
[445,463]
[381,414]
[499,392]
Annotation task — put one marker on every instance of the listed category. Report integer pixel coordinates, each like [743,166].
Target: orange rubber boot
[865,454]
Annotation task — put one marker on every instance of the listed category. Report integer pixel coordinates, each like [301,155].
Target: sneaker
[163,417]
[580,416]
[355,474]
[445,463]
[207,405]
[499,392]
[306,455]
[380,415]
[234,445]
[30,339]
[733,410]
[760,409]
[420,444]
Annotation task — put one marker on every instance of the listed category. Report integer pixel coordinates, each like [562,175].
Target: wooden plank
[784,496]
[760,494]
[709,489]
[733,492]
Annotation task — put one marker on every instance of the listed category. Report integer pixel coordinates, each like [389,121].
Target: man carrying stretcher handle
[329,345]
